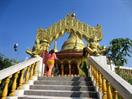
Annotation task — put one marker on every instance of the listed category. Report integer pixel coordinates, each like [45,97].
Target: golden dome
[74,42]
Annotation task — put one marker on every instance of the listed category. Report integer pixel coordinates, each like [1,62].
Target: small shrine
[71,58]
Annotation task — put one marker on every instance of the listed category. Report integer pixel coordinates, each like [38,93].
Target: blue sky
[20,19]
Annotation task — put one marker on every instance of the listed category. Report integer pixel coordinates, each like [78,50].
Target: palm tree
[119,50]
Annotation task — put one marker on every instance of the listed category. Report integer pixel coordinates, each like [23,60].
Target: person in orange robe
[50,62]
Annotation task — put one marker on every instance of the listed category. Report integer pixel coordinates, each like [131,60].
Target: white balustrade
[15,68]
[123,88]
[25,70]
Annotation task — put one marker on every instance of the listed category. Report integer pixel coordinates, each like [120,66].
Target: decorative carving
[45,36]
[94,47]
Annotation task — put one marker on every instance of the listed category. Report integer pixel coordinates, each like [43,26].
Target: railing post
[27,74]
[5,90]
[104,89]
[97,78]
[109,90]
[35,69]
[115,94]
[14,84]
[31,72]
[92,73]
[100,82]
[21,79]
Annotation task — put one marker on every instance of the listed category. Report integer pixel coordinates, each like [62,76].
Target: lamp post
[15,47]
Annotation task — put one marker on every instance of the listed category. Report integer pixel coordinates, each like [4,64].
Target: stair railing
[108,83]
[15,76]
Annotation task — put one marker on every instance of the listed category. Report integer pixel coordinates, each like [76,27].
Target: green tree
[6,62]
[119,50]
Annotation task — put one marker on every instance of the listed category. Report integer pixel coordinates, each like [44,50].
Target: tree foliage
[6,62]
[119,50]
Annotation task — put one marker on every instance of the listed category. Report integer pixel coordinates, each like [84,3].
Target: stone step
[63,87]
[51,97]
[62,93]
[61,82]
[66,78]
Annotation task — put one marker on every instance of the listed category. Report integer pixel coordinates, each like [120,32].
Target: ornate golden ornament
[80,30]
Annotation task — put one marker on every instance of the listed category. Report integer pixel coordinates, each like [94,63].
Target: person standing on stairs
[50,62]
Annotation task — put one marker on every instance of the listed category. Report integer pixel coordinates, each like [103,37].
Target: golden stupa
[74,42]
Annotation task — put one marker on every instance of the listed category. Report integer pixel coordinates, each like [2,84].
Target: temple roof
[66,25]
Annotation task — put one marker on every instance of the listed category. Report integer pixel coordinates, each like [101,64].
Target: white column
[40,67]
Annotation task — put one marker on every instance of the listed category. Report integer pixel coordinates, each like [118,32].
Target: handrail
[13,69]
[124,67]
[19,74]
[109,83]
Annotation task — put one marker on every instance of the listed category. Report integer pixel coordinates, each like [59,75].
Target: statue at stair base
[94,47]
[38,48]
[83,68]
